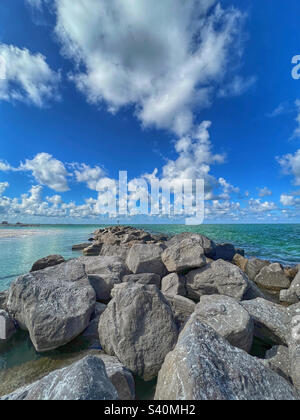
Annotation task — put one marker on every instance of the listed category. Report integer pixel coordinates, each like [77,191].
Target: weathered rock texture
[7,326]
[183,256]
[54,304]
[292,295]
[272,277]
[228,318]
[49,261]
[138,328]
[182,308]
[207,244]
[278,359]
[144,278]
[146,259]
[173,284]
[84,380]
[204,366]
[253,267]
[120,377]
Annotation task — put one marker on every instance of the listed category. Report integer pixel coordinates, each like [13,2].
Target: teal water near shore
[21,247]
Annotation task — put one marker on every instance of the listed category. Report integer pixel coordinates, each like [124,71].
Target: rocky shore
[183,311]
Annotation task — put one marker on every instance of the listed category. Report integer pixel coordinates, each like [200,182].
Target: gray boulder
[253,267]
[294,346]
[278,360]
[182,308]
[146,259]
[272,277]
[84,380]
[120,377]
[3,300]
[49,261]
[225,252]
[204,366]
[292,295]
[120,251]
[173,285]
[54,304]
[7,326]
[80,247]
[92,250]
[103,274]
[138,328]
[207,244]
[183,256]
[144,278]
[228,318]
[271,321]
[219,277]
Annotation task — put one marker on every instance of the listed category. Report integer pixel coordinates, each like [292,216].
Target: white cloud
[47,171]
[28,78]
[164,59]
[87,174]
[257,206]
[3,187]
[35,3]
[5,166]
[291,165]
[238,86]
[264,192]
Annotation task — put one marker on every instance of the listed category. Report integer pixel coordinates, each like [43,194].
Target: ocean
[21,247]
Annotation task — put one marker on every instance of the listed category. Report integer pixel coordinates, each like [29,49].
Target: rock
[271,320]
[272,277]
[204,366]
[120,377]
[240,261]
[182,308]
[99,309]
[120,235]
[253,267]
[294,345]
[91,332]
[219,277]
[49,261]
[277,359]
[228,318]
[80,247]
[225,252]
[207,244]
[292,295]
[173,285]
[120,251]
[291,272]
[146,259]
[183,256]
[7,326]
[3,300]
[88,380]
[144,278]
[92,250]
[55,304]
[138,328]
[103,274]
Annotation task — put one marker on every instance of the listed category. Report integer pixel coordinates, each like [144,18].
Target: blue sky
[101,87]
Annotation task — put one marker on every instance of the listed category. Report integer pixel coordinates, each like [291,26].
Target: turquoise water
[18,253]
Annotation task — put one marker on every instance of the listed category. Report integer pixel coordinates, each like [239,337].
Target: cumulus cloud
[5,166]
[3,187]
[87,174]
[28,77]
[291,165]
[131,56]
[264,192]
[47,171]
[238,86]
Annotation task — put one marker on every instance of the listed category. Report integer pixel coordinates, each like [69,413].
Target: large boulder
[253,267]
[144,278]
[240,261]
[204,366]
[103,274]
[92,250]
[173,284]
[294,345]
[84,380]
[182,308]
[292,295]
[146,259]
[7,326]
[272,277]
[219,277]
[120,377]
[120,235]
[207,244]
[54,304]
[225,252]
[120,251]
[228,318]
[49,261]
[277,359]
[271,321]
[183,256]
[80,247]
[138,328]
[3,300]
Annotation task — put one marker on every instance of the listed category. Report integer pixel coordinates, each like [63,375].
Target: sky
[166,91]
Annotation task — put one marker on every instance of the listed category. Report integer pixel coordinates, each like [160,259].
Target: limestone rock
[80,247]
[207,244]
[92,250]
[204,366]
[143,278]
[272,277]
[138,328]
[278,360]
[146,259]
[173,284]
[7,326]
[84,380]
[292,295]
[120,377]
[49,261]
[240,261]
[253,267]
[182,308]
[228,318]
[3,300]
[54,304]
[183,256]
